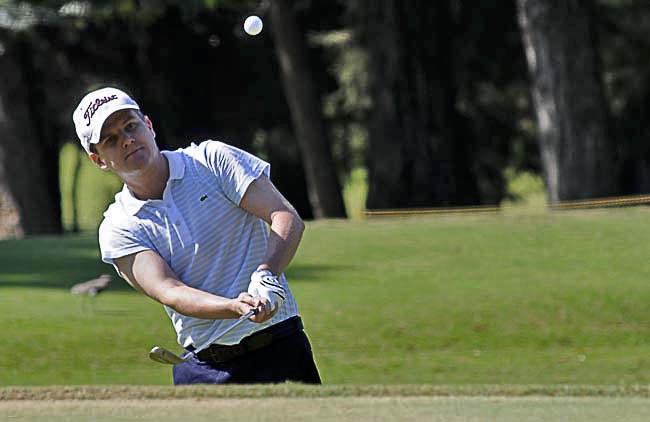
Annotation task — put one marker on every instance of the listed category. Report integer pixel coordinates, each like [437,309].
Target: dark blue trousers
[287,359]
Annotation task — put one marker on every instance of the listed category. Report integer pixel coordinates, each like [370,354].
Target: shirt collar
[176,171]
[176,164]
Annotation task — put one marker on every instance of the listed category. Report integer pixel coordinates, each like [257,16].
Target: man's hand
[267,286]
[246,302]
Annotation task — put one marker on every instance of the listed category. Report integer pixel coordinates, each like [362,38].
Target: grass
[357,409]
[518,315]
[494,299]
[550,299]
[325,403]
[524,297]
[294,390]
[340,403]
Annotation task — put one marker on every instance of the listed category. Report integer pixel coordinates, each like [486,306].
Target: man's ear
[147,121]
[96,159]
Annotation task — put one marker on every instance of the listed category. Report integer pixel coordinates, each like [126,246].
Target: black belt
[217,353]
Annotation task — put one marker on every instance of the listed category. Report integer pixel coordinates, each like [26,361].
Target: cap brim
[100,119]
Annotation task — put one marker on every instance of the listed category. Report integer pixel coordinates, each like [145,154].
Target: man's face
[126,143]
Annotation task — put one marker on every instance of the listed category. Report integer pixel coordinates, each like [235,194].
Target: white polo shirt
[199,229]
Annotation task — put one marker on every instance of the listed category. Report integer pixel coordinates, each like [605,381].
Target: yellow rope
[419,211]
[601,202]
[564,205]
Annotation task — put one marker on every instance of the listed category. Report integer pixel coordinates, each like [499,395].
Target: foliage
[203,80]
[524,188]
[347,106]
[200,77]
[623,35]
[96,189]
[493,93]
[355,190]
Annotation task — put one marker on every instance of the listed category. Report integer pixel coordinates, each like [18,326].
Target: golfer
[189,229]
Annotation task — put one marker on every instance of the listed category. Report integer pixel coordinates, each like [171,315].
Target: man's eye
[131,125]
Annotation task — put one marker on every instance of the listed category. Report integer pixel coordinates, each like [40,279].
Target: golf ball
[253,25]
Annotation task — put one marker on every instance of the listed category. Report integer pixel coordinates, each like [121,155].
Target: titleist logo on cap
[93,106]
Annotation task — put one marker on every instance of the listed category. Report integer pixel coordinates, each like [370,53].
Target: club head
[162,355]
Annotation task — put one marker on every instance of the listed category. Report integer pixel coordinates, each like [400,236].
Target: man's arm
[266,202]
[147,272]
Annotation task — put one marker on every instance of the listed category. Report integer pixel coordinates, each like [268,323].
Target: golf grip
[226,331]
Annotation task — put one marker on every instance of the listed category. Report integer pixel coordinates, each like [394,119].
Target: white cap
[94,109]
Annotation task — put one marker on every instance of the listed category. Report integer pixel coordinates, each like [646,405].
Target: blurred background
[357,104]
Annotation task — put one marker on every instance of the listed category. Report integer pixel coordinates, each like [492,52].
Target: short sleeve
[116,241]
[234,168]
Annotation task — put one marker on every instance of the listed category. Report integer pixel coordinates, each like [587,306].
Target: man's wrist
[263,267]
[233,305]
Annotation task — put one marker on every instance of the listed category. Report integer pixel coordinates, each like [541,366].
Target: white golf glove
[265,284]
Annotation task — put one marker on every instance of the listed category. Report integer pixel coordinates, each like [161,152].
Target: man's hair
[140,114]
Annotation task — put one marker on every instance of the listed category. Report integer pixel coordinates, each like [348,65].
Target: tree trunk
[74,197]
[306,113]
[29,161]
[572,116]
[9,216]
[415,157]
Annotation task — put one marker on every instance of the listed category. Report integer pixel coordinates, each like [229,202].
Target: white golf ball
[253,25]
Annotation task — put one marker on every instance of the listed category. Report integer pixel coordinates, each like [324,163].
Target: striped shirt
[201,232]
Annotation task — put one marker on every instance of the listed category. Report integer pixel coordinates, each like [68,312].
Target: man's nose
[126,138]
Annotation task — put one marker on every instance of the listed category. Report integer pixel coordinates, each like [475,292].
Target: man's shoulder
[118,214]
[201,152]
[201,148]
[209,154]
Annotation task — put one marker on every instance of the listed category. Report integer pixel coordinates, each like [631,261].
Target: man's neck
[150,183]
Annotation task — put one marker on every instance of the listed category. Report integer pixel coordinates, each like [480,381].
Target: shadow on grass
[53,262]
[301,272]
[63,261]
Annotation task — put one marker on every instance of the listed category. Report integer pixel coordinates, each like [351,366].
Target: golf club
[162,355]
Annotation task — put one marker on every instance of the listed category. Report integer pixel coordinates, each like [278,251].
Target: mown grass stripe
[305,391]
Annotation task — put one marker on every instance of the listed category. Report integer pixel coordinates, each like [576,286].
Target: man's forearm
[286,232]
[199,304]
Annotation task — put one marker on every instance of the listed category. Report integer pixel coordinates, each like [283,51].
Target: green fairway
[494,299]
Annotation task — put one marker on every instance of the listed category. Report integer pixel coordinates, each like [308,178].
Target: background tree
[433,99]
[623,29]
[417,153]
[206,79]
[306,111]
[572,117]
[32,77]
[493,95]
[490,100]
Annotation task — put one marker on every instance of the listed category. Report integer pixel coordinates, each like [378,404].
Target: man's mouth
[132,152]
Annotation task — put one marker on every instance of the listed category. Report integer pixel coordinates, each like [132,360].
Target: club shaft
[160,354]
[225,331]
